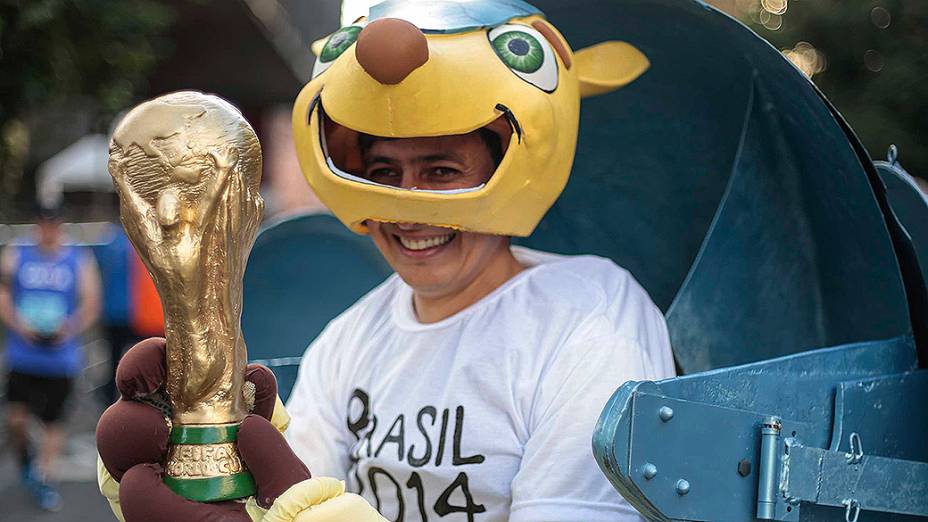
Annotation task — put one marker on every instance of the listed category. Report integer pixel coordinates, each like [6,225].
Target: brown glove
[132,438]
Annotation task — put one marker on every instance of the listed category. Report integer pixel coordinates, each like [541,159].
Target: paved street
[81,500]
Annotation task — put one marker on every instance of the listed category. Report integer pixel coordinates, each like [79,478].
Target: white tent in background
[82,166]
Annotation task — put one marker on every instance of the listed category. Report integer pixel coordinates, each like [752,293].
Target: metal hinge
[792,474]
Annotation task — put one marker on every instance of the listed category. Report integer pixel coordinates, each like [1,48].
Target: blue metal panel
[884,413]
[829,478]
[799,387]
[716,419]
[736,250]
[759,387]
[677,448]
[909,204]
[815,513]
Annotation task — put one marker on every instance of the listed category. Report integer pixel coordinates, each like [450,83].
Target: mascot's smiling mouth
[339,144]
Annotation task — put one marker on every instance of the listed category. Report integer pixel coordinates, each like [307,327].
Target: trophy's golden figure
[187,167]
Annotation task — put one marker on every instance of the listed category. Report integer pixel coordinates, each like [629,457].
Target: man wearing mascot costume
[466,386]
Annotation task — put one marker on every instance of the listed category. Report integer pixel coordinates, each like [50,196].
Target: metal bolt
[665,413]
[744,467]
[649,471]
[682,487]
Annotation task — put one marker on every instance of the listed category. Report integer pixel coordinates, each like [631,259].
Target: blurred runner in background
[114,258]
[131,306]
[49,295]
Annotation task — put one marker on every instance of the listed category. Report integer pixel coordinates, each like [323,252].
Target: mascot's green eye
[526,53]
[337,44]
[520,51]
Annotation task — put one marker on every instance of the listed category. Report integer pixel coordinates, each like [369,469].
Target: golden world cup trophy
[187,167]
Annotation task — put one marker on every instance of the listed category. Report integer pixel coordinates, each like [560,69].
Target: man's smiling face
[434,261]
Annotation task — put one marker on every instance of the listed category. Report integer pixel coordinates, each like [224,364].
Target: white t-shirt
[487,415]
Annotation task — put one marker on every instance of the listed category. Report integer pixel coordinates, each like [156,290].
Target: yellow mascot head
[424,68]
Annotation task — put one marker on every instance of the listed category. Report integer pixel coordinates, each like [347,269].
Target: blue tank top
[45,294]
[114,259]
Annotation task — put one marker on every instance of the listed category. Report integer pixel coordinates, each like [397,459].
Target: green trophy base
[204,465]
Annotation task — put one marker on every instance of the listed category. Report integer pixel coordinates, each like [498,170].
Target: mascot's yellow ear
[607,66]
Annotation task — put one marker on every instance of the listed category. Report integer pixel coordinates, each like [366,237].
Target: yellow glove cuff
[280,419]
[316,500]
[254,511]
[110,489]
[340,509]
[301,496]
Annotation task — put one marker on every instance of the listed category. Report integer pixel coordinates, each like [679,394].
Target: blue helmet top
[452,16]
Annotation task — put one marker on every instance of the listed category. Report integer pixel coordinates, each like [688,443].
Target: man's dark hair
[489,138]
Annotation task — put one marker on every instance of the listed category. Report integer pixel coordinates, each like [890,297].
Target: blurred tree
[873,61]
[55,51]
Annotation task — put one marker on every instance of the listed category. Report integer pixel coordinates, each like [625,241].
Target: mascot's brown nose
[389,49]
